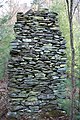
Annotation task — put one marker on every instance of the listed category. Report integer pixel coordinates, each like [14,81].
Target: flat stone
[12,115]
[27,40]
[27,58]
[32,98]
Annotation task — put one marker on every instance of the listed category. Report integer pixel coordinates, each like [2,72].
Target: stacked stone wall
[37,64]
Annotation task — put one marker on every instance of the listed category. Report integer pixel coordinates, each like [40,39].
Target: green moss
[56,113]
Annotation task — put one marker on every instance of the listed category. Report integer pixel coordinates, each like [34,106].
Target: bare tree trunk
[72,62]
[70,16]
[79,59]
[79,75]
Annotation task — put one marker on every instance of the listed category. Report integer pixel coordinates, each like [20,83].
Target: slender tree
[78,8]
[70,16]
[41,3]
[71,11]
[37,3]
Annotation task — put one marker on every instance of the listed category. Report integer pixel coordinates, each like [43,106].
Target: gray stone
[12,115]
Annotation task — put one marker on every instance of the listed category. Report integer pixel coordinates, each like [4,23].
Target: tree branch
[76,7]
[67,1]
[13,14]
[1,1]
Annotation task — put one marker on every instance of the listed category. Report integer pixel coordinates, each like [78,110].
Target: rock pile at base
[37,64]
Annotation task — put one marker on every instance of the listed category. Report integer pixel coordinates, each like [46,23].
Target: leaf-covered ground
[3,100]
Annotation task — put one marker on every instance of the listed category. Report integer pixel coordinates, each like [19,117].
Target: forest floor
[3,100]
[4,106]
